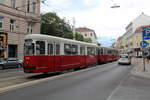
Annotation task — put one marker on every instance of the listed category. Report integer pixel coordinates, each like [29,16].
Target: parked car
[10,63]
[124,59]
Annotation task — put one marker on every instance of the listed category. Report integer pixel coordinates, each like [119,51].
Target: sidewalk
[138,69]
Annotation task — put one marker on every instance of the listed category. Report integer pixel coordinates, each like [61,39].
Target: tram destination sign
[146,33]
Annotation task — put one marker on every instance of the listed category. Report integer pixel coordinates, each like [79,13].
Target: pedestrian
[148,58]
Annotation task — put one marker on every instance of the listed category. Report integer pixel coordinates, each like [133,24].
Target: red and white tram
[43,53]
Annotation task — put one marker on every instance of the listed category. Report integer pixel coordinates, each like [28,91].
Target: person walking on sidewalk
[148,58]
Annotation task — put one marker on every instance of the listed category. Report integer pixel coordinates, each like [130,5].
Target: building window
[12,24]
[91,34]
[13,3]
[28,6]
[30,28]
[34,7]
[1,22]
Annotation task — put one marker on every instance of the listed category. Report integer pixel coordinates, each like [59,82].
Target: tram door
[57,57]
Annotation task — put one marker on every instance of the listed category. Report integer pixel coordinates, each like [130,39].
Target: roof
[84,29]
[142,15]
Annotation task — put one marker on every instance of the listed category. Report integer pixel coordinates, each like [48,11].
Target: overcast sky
[97,14]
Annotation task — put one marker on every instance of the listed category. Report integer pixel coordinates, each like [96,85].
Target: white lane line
[117,88]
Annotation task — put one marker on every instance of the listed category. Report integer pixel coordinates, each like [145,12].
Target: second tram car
[43,53]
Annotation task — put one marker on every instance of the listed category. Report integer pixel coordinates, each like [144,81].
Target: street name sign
[146,33]
[144,44]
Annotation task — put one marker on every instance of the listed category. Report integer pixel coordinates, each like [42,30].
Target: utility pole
[74,22]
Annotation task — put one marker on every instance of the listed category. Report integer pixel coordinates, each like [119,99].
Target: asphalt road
[99,83]
[110,82]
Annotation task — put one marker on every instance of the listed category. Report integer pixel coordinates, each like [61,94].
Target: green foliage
[79,37]
[68,35]
[55,26]
[89,40]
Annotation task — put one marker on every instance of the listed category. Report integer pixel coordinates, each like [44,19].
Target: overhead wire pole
[74,25]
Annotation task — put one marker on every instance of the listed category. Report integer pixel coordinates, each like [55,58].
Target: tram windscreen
[29,47]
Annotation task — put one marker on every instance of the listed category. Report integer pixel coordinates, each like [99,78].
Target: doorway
[12,50]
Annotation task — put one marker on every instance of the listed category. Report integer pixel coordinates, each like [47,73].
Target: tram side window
[40,47]
[57,49]
[90,50]
[82,50]
[67,49]
[50,49]
[104,51]
[97,50]
[74,49]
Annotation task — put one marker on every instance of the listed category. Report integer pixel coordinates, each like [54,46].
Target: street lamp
[115,5]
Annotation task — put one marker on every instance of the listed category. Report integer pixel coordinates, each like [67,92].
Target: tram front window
[29,47]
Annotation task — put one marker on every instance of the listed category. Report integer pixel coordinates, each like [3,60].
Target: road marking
[117,88]
[21,85]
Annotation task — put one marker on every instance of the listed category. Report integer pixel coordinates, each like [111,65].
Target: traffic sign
[144,44]
[146,33]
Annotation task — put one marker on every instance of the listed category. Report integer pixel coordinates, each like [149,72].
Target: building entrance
[12,50]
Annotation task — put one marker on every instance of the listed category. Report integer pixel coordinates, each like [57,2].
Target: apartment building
[129,41]
[87,33]
[137,39]
[17,19]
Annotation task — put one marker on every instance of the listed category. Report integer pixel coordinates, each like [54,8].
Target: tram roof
[53,38]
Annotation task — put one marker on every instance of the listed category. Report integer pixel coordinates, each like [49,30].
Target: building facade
[87,33]
[130,41]
[137,39]
[17,19]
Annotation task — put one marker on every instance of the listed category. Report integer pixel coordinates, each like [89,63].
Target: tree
[68,35]
[89,40]
[78,37]
[55,26]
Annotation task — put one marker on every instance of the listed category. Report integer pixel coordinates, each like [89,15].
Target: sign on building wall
[146,33]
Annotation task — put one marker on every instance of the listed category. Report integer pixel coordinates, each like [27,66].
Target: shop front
[3,45]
